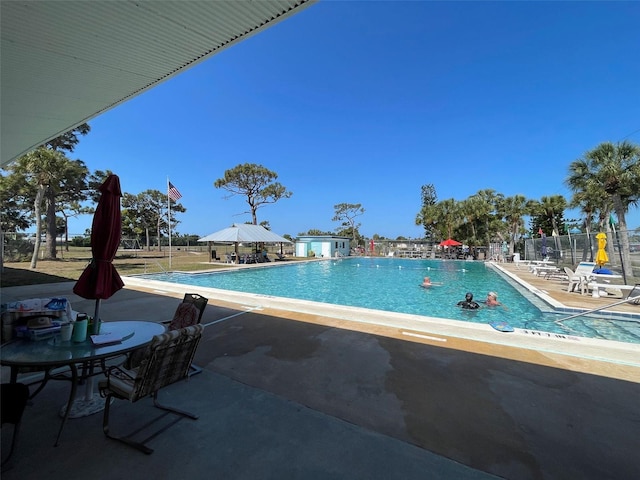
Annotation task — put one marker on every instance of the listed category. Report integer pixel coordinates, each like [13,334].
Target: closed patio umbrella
[601,254]
[543,248]
[100,279]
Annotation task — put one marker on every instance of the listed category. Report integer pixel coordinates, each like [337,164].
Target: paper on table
[105,338]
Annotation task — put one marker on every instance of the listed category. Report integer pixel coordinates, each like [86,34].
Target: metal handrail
[154,263]
[586,312]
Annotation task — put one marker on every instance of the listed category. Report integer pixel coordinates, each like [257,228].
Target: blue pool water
[393,284]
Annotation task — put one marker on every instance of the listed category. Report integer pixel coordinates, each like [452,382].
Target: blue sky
[365,102]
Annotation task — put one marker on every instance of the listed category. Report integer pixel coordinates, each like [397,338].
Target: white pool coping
[430,328]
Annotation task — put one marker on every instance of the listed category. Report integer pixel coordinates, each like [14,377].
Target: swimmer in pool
[426,283]
[492,299]
[468,303]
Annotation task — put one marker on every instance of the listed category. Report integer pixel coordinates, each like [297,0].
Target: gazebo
[243,232]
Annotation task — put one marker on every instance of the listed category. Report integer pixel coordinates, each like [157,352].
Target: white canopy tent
[244,232]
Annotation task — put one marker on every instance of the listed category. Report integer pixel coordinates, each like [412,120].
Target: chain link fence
[572,249]
[564,250]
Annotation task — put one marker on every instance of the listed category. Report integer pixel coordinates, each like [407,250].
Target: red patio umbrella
[100,279]
[449,242]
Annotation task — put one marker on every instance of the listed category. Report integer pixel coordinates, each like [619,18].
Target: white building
[322,246]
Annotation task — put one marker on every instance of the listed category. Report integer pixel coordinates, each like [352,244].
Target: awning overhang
[63,63]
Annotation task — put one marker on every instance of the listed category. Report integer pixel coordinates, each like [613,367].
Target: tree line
[45,188]
[604,182]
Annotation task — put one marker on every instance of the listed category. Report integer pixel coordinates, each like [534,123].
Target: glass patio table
[53,353]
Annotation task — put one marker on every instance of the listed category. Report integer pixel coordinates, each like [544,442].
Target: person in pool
[492,299]
[426,283]
[468,303]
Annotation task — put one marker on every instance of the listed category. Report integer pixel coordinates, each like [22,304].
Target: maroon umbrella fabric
[100,279]
[449,242]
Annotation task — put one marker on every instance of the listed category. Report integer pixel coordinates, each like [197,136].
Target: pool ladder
[154,263]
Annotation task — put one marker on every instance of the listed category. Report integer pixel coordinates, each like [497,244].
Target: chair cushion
[166,360]
[120,382]
[186,315]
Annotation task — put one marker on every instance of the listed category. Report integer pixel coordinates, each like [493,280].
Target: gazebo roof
[244,232]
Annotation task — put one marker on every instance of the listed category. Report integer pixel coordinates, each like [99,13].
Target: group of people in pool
[468,303]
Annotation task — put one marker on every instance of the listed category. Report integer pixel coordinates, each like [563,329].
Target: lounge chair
[166,361]
[585,268]
[280,257]
[582,273]
[557,274]
[575,281]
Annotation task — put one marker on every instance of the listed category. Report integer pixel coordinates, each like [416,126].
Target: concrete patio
[294,395]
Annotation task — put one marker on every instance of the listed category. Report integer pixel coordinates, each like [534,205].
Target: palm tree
[488,200]
[592,201]
[513,209]
[615,170]
[552,208]
[448,217]
[44,171]
[472,210]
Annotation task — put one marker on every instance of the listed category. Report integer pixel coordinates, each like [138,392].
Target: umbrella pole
[91,404]
[96,319]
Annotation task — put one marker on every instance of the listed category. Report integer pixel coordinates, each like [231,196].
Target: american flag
[174,194]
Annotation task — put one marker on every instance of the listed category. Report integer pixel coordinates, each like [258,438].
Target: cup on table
[80,330]
[91,326]
[66,331]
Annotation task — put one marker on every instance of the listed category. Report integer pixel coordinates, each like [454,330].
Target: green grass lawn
[70,264]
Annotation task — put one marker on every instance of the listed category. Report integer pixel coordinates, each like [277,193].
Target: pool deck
[293,390]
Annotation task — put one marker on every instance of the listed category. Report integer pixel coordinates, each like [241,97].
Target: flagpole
[169,218]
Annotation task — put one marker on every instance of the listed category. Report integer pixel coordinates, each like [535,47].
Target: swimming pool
[393,285]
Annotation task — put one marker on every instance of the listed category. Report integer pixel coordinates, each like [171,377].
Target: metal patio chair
[165,361]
